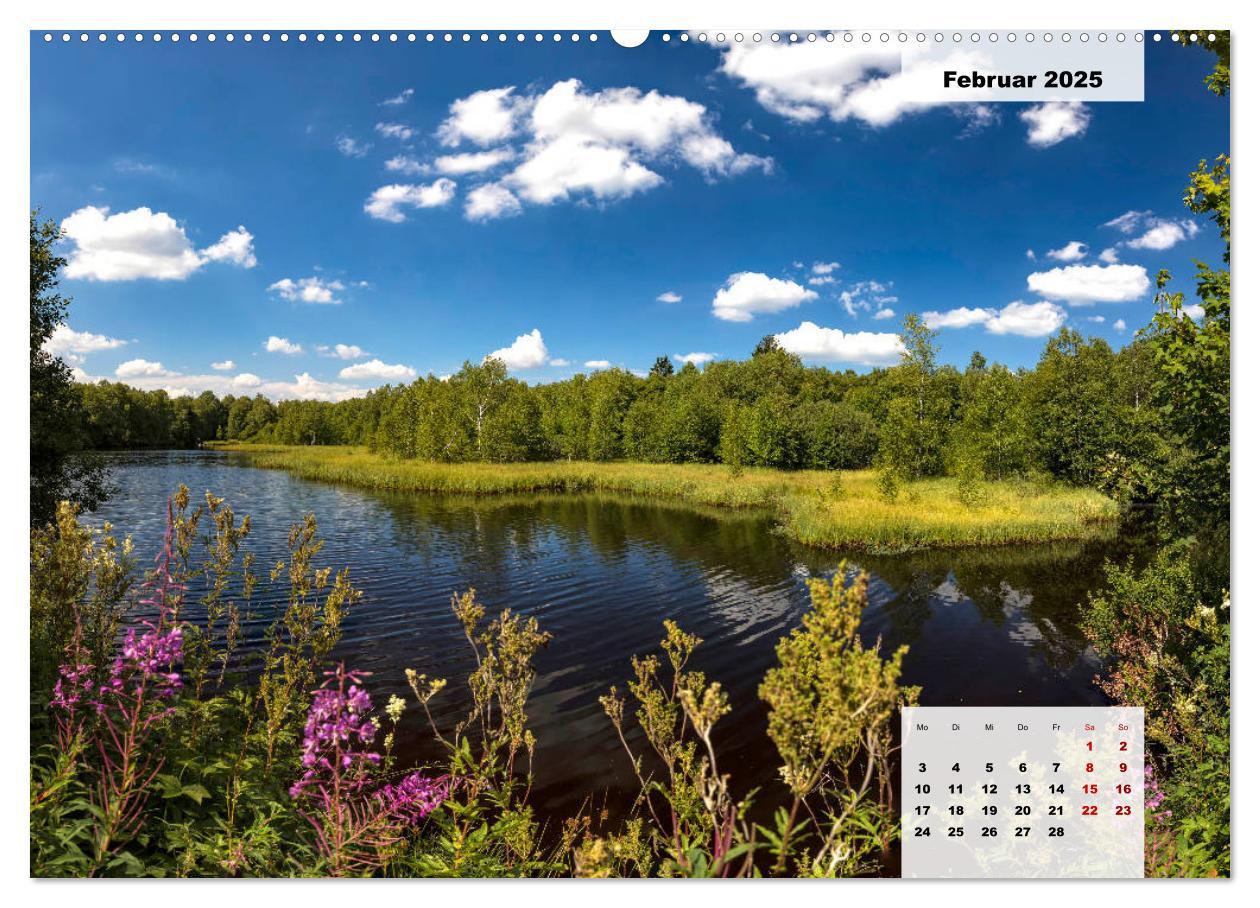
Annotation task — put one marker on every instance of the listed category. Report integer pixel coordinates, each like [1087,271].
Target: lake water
[987,627]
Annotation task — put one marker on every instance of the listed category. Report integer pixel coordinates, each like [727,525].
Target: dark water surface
[989,627]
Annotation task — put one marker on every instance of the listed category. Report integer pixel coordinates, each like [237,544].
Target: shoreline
[826,510]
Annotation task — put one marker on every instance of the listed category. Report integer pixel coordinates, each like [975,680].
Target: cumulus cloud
[235,247]
[1024,319]
[696,359]
[1153,233]
[142,243]
[375,369]
[282,345]
[473,161]
[1119,324]
[135,368]
[308,290]
[1052,122]
[961,317]
[491,201]
[342,351]
[395,131]
[352,147]
[1194,311]
[750,293]
[1027,319]
[247,380]
[573,143]
[226,365]
[526,352]
[65,340]
[597,364]
[407,165]
[808,81]
[386,203]
[811,342]
[304,386]
[1109,256]
[1080,285]
[558,362]
[1074,251]
[483,118]
[883,314]
[669,296]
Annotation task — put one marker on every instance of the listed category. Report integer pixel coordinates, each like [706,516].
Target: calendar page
[1022,792]
[485,442]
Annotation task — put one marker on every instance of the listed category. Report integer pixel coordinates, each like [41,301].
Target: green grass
[818,508]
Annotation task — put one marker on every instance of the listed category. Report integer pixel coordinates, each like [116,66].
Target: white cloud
[235,247]
[304,386]
[1072,252]
[405,164]
[395,131]
[883,314]
[590,145]
[864,296]
[142,243]
[809,341]
[821,280]
[1109,255]
[401,98]
[375,369]
[1030,255]
[526,352]
[961,317]
[473,161]
[1157,233]
[226,365]
[824,267]
[308,290]
[65,340]
[557,361]
[352,147]
[807,81]
[1096,319]
[1052,122]
[1027,319]
[1194,311]
[342,351]
[696,359]
[491,201]
[669,296]
[597,364]
[1080,285]
[483,118]
[282,345]
[750,293]
[1119,324]
[386,203]
[136,368]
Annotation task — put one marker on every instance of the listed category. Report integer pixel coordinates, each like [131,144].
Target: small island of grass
[843,509]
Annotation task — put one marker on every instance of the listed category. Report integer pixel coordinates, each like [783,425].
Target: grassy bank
[829,510]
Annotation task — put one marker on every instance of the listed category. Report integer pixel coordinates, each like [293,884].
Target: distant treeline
[1081,415]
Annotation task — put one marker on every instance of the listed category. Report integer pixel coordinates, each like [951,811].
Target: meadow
[846,509]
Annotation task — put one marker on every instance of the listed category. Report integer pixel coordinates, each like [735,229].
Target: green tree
[60,469]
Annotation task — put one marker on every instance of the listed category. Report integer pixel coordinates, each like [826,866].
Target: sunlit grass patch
[818,508]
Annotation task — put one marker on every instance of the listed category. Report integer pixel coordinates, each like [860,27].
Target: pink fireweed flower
[335,722]
[1154,796]
[414,797]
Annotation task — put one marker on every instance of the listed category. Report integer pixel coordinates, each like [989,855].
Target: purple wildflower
[1154,796]
[415,797]
[337,718]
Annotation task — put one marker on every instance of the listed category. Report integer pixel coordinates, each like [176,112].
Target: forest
[1083,415]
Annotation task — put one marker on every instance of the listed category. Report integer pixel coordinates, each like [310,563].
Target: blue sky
[226,198]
